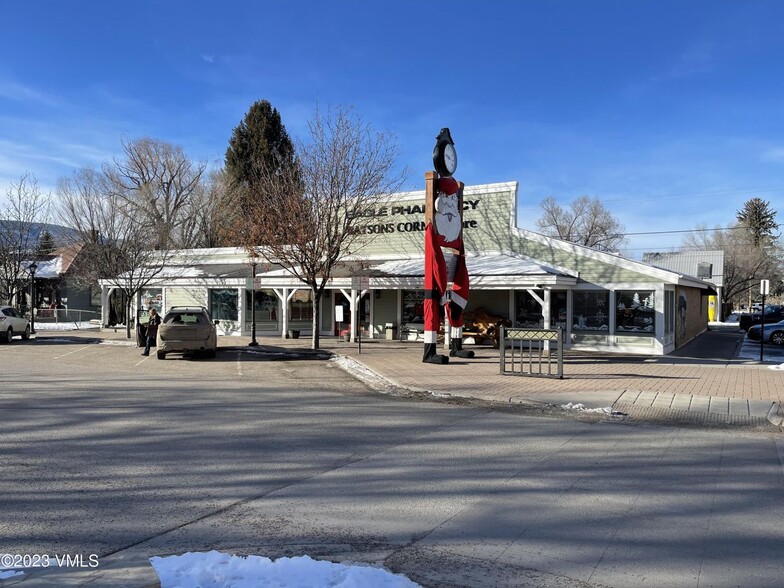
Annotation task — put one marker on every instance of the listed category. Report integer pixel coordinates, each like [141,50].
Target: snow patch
[218,570]
[578,406]
[776,367]
[361,372]
[66,326]
[4,574]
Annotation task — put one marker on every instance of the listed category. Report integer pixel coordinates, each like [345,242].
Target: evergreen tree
[258,144]
[757,216]
[259,148]
[46,245]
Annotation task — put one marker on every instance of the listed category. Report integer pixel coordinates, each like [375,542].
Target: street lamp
[253,342]
[31,268]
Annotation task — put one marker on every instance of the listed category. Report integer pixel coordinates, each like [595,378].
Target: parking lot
[106,452]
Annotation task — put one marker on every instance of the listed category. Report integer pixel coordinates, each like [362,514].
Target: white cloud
[775,155]
[21,93]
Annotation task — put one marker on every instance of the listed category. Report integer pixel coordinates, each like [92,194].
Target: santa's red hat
[447,186]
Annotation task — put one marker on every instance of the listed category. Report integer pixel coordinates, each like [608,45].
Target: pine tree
[46,245]
[258,144]
[757,216]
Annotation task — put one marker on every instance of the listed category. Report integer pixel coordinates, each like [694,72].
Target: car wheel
[777,337]
[26,334]
[160,354]
[9,335]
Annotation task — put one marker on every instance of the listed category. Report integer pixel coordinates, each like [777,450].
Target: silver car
[187,329]
[12,323]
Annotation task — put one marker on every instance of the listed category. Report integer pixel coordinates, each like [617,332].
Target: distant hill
[61,235]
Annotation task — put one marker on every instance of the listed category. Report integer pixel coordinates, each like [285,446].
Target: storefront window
[591,310]
[558,310]
[635,312]
[413,306]
[265,307]
[528,311]
[301,306]
[150,298]
[223,305]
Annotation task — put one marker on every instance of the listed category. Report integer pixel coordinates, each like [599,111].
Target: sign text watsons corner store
[385,224]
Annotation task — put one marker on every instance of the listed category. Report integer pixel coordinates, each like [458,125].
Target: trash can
[391,331]
[141,335]
[293,334]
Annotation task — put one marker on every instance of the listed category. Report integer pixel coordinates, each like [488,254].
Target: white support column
[546,318]
[569,317]
[285,310]
[613,311]
[658,320]
[105,292]
[241,309]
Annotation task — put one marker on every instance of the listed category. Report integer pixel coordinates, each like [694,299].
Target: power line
[681,231]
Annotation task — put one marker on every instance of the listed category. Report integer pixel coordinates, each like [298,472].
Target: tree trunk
[128,317]
[316,319]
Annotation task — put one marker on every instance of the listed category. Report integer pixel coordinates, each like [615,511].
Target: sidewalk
[702,383]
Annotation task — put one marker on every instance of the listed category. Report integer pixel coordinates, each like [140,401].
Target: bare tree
[207,215]
[24,213]
[115,245]
[155,180]
[311,221]
[744,263]
[586,222]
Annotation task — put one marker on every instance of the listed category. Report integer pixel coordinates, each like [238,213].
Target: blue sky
[671,112]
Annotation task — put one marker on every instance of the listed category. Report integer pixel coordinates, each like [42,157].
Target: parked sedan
[12,323]
[773,314]
[187,329]
[774,333]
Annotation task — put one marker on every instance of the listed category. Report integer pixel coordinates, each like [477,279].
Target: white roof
[496,264]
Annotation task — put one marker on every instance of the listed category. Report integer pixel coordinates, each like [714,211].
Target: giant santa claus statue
[446,276]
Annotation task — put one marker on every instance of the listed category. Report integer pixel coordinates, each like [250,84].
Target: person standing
[152,330]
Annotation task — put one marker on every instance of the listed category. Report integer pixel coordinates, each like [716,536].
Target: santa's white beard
[447,218]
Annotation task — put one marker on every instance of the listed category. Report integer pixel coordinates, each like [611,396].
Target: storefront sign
[403,226]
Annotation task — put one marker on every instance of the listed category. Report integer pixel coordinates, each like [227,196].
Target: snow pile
[582,408]
[361,372]
[66,326]
[5,574]
[777,367]
[220,570]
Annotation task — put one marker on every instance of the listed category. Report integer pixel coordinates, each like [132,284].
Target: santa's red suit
[441,269]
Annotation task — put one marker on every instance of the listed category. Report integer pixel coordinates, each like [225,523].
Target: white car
[12,323]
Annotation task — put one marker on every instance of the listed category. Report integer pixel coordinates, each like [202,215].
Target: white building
[603,302]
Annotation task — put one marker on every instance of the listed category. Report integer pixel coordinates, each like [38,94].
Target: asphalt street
[105,452]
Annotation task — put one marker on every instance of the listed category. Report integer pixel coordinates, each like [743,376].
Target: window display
[301,306]
[635,312]
[591,310]
[413,306]
[528,311]
[223,305]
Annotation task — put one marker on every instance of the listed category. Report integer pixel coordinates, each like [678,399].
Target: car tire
[209,354]
[9,335]
[777,337]
[26,334]
[160,354]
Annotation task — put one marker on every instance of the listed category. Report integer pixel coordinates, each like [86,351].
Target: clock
[444,154]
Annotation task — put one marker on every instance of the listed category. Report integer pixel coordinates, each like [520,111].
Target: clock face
[450,158]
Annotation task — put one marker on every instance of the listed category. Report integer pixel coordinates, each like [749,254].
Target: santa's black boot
[430,355]
[456,349]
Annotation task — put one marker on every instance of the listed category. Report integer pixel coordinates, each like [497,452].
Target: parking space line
[74,351]
[141,361]
[239,363]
